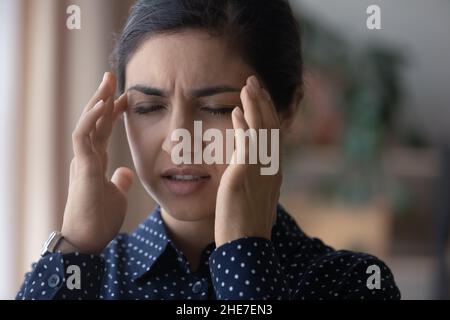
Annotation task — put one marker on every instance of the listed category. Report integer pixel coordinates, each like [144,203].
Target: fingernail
[103,80]
[238,112]
[254,83]
[253,86]
[104,76]
[250,91]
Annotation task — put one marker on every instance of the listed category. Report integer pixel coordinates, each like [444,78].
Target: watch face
[49,245]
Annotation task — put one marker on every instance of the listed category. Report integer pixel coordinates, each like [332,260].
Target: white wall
[9,89]
[422,29]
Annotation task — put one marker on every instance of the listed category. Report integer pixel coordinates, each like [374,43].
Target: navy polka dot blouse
[147,265]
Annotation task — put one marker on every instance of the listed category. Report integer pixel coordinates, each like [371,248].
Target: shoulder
[316,270]
[352,275]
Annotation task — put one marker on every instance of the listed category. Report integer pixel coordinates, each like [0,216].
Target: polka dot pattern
[146,264]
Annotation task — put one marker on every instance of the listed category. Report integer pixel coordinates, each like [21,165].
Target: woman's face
[172,81]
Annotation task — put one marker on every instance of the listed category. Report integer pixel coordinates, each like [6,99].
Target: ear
[287,117]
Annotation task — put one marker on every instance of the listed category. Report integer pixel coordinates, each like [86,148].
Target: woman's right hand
[96,205]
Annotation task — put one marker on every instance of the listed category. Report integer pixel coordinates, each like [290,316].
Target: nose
[182,119]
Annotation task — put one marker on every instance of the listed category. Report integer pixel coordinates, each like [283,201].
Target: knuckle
[77,136]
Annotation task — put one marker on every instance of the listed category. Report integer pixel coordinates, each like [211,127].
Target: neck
[191,237]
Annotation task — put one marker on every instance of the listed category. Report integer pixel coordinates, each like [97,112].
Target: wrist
[56,242]
[221,240]
[65,247]
[73,244]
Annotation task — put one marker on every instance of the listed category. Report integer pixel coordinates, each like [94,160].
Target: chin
[189,209]
[185,203]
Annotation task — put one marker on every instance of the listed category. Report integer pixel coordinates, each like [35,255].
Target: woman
[218,231]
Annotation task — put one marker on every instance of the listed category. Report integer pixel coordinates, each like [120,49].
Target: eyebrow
[196,93]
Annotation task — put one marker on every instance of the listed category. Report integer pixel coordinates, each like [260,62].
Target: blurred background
[367,163]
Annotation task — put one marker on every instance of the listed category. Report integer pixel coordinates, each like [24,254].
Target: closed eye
[143,109]
[213,110]
[217,111]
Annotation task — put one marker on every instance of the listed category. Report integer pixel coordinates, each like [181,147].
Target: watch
[51,243]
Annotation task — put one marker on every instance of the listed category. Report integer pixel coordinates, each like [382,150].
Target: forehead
[188,59]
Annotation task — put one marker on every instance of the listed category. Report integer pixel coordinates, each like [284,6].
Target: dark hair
[265,32]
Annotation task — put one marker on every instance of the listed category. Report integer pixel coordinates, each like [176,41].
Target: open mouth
[186,178]
[182,185]
[184,181]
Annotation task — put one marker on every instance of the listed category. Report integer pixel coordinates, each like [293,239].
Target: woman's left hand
[246,199]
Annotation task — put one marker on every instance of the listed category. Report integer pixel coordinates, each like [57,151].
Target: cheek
[221,124]
[145,145]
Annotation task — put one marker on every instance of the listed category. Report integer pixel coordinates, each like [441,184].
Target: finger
[120,106]
[104,124]
[238,119]
[241,144]
[81,135]
[72,171]
[269,116]
[250,103]
[102,133]
[123,179]
[266,108]
[263,104]
[106,89]
[269,111]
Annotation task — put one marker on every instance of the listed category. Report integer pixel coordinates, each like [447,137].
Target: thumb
[122,179]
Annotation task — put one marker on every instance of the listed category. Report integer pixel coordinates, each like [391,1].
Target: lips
[184,181]
[180,171]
